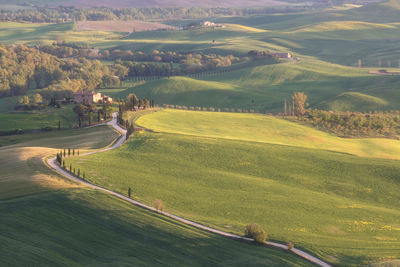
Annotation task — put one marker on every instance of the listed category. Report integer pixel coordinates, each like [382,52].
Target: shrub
[260,237]
[211,109]
[191,108]
[239,110]
[226,109]
[232,110]
[219,110]
[204,109]
[158,204]
[198,108]
[255,231]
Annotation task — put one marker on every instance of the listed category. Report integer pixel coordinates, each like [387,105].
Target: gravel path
[53,164]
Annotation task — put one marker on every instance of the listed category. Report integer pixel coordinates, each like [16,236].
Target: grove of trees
[23,68]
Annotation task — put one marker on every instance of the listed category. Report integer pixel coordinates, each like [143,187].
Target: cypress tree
[63,164]
[129,192]
[83,175]
[74,170]
[64,152]
[70,167]
[78,152]
[69,152]
[73,152]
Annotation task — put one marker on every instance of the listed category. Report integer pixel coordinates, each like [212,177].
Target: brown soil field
[121,26]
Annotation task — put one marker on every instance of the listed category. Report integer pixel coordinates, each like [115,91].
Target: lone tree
[299,100]
[130,131]
[129,192]
[80,110]
[159,205]
[255,231]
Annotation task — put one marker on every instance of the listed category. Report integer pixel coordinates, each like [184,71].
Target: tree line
[132,103]
[139,64]
[346,124]
[61,14]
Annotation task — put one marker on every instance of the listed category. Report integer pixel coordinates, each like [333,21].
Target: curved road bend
[52,163]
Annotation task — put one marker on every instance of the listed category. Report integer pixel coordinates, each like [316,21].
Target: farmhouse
[91,97]
[211,24]
[282,55]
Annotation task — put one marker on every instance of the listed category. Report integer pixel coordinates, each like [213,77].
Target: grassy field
[84,227]
[48,220]
[265,129]
[21,158]
[266,87]
[48,117]
[325,40]
[336,205]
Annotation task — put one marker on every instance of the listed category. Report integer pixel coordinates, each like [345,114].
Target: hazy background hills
[184,3]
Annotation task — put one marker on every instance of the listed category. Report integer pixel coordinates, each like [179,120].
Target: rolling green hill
[340,36]
[266,87]
[85,227]
[47,220]
[227,170]
[264,129]
[355,101]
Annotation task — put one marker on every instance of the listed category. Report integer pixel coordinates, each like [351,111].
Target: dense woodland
[23,68]
[156,63]
[59,70]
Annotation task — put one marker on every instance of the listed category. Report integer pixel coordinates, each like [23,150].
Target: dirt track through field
[52,163]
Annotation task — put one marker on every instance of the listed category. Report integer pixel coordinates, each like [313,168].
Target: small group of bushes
[255,232]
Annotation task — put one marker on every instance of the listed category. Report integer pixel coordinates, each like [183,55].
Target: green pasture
[85,227]
[48,117]
[266,87]
[264,129]
[48,220]
[338,206]
[324,40]
[22,158]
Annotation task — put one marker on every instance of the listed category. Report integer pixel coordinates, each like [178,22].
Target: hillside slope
[225,170]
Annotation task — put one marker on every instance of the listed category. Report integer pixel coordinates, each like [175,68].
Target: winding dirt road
[53,164]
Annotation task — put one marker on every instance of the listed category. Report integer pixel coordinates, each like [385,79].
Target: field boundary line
[120,140]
